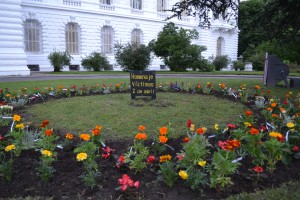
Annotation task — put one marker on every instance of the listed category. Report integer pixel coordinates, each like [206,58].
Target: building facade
[31,29]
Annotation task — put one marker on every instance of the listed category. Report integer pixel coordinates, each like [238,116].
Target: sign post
[142,83]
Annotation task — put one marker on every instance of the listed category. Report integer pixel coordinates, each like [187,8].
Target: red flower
[185,140]
[49,132]
[107,152]
[127,181]
[1,138]
[231,126]
[189,122]
[150,159]
[258,169]
[263,128]
[180,157]
[248,113]
[295,149]
[120,161]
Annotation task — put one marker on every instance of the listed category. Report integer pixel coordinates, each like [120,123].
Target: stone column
[13,60]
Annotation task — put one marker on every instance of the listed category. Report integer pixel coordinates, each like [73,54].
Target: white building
[31,29]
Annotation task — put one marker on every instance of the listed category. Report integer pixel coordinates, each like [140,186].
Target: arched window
[72,38]
[161,5]
[107,36]
[136,4]
[32,36]
[220,46]
[107,2]
[136,36]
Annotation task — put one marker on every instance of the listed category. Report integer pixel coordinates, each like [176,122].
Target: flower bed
[260,150]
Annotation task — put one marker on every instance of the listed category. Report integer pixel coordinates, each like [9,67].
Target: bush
[238,65]
[132,56]
[95,61]
[258,61]
[220,62]
[59,59]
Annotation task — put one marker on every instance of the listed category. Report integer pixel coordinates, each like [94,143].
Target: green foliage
[221,169]
[132,56]
[95,61]
[6,169]
[59,59]
[238,65]
[173,45]
[136,156]
[220,62]
[168,173]
[197,178]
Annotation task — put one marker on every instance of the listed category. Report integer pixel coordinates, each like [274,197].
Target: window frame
[72,38]
[32,36]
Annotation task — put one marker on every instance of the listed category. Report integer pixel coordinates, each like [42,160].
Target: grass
[120,116]
[94,104]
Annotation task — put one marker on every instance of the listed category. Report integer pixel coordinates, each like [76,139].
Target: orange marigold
[141,136]
[95,132]
[165,158]
[186,139]
[257,87]
[254,131]
[269,109]
[201,130]
[69,136]
[85,136]
[142,128]
[273,105]
[163,130]
[163,139]
[275,115]
[48,132]
[248,113]
[98,127]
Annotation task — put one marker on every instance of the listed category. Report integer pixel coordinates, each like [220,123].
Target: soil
[67,184]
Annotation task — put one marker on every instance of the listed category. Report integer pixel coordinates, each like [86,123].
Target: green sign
[142,83]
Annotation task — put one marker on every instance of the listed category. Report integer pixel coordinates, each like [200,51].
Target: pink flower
[231,126]
[107,152]
[136,184]
[180,157]
[150,159]
[222,145]
[295,149]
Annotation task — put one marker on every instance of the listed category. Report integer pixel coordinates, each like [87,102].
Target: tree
[59,60]
[95,61]
[132,56]
[173,45]
[206,10]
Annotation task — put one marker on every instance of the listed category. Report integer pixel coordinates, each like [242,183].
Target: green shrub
[258,61]
[132,56]
[95,61]
[220,62]
[238,65]
[59,59]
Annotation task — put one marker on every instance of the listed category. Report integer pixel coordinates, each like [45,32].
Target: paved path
[45,76]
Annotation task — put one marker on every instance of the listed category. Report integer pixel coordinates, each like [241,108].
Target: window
[107,2]
[161,5]
[32,36]
[72,38]
[136,36]
[107,35]
[136,4]
[220,46]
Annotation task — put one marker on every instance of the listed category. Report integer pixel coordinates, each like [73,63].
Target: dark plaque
[142,83]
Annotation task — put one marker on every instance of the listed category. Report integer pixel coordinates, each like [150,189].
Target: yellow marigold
[163,130]
[290,125]
[275,134]
[17,118]
[20,126]
[201,130]
[247,124]
[81,156]
[192,127]
[47,153]
[216,127]
[69,136]
[163,139]
[183,174]
[273,105]
[85,136]
[202,163]
[165,158]
[141,136]
[10,147]
[142,128]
